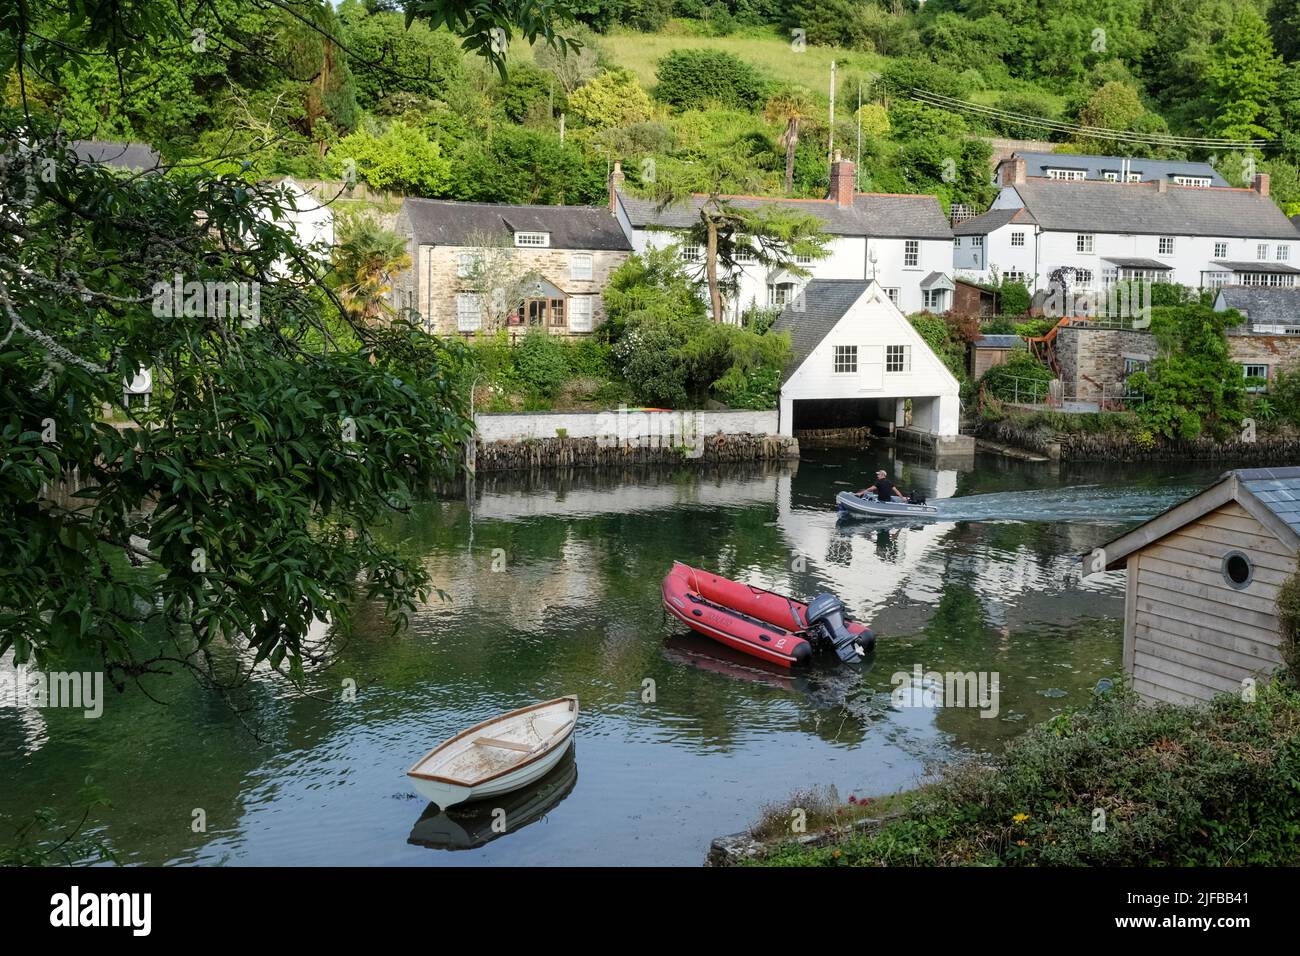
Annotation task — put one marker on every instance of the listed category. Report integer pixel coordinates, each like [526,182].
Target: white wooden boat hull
[497,756]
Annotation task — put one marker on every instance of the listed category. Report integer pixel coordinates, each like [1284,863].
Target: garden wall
[509,441]
[1121,446]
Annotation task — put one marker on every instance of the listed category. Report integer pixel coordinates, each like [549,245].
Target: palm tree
[791,107]
[365,263]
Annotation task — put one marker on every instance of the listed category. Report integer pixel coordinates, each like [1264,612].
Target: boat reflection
[472,825]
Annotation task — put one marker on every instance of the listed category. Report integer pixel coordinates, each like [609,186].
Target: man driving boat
[883,489]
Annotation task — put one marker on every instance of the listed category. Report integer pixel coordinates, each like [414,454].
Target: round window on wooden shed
[1238,569]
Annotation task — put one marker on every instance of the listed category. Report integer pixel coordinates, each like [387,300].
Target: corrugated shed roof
[1037,164]
[810,316]
[440,222]
[1262,305]
[998,341]
[872,214]
[136,157]
[1144,210]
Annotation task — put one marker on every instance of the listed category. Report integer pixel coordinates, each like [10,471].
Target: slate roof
[992,220]
[1278,489]
[810,316]
[1138,263]
[1255,266]
[1262,306]
[1295,221]
[136,157]
[1141,209]
[1037,164]
[872,214]
[440,222]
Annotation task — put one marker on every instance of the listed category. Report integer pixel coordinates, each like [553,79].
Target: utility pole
[830,146]
[857,164]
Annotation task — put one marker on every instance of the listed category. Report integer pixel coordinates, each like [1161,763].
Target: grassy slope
[765,50]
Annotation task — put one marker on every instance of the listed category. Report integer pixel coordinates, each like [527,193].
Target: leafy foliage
[693,78]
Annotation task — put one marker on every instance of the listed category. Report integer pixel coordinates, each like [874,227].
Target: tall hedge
[688,79]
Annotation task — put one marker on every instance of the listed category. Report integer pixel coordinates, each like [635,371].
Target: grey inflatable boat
[869,507]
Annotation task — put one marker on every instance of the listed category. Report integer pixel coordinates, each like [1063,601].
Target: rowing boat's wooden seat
[503,744]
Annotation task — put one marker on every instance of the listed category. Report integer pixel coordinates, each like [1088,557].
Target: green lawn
[765,50]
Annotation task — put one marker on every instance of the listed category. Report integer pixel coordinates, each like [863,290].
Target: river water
[552,588]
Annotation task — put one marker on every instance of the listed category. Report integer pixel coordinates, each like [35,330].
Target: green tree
[1241,79]
[790,108]
[693,78]
[614,98]
[400,158]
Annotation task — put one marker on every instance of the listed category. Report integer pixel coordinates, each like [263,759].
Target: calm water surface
[574,608]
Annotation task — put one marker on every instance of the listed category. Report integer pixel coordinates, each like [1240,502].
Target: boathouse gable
[851,344]
[1200,610]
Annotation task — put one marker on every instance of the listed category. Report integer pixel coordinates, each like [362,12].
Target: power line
[1092,132]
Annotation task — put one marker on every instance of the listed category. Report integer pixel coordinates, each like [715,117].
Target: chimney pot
[616,180]
[1261,184]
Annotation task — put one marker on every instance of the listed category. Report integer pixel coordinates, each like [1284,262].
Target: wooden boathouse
[1200,608]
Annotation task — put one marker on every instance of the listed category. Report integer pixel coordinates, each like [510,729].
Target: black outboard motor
[916,499]
[826,613]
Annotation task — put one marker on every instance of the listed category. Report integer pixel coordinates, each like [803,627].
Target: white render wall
[872,323]
[618,425]
[849,257]
[1044,252]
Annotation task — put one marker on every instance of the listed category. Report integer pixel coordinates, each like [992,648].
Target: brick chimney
[1013,171]
[1260,185]
[842,181]
[616,179]
[1162,185]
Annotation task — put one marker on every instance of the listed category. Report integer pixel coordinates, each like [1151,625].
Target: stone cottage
[480,267]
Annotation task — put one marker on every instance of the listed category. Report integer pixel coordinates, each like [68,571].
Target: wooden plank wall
[1193,634]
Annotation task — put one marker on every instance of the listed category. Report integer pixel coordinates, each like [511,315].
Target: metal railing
[1056,394]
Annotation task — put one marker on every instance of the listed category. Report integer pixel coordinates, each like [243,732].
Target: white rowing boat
[498,755]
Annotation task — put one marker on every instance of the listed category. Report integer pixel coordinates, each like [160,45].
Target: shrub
[651,366]
[542,363]
[688,79]
[1013,298]
[1180,786]
[1020,378]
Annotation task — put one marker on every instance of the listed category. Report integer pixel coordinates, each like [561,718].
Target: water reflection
[472,825]
[551,586]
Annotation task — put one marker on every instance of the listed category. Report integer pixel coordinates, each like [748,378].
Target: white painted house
[903,242]
[1108,231]
[854,349]
[304,213]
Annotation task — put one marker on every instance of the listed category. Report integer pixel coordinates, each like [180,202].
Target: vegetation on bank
[1117,783]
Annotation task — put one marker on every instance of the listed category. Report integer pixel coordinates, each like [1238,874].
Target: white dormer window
[1166,245]
[1111,176]
[1067,174]
[1135,177]
[580,267]
[533,240]
[1201,182]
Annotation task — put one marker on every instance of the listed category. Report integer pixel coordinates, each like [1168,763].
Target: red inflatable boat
[770,626]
